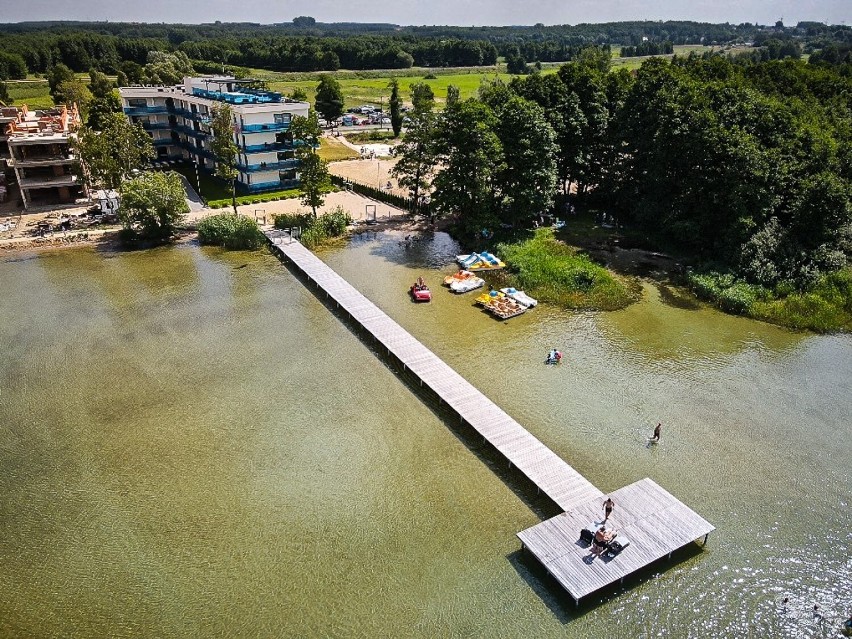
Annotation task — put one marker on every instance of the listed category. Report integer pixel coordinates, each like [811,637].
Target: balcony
[48,181]
[154,126]
[164,142]
[277,185]
[146,110]
[191,115]
[265,128]
[44,160]
[266,147]
[268,166]
[188,130]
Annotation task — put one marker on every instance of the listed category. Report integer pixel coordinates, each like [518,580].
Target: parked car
[385,120]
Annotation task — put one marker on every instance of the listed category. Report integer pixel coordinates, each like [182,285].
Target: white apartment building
[178,120]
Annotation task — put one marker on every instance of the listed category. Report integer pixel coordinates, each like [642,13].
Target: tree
[101,107]
[4,94]
[74,92]
[422,97]
[469,155]
[166,68]
[224,148]
[111,155]
[452,95]
[527,178]
[153,204]
[99,84]
[299,94]
[304,21]
[395,106]
[416,156]
[12,66]
[57,75]
[515,62]
[313,170]
[329,99]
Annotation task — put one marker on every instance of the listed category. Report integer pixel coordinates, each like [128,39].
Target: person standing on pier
[608,506]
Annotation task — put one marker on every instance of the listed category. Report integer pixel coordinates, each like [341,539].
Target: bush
[738,298]
[317,230]
[291,220]
[334,222]
[233,232]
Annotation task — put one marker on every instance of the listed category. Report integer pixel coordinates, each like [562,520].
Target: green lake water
[192,444]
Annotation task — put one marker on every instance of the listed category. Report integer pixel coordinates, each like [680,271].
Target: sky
[431,12]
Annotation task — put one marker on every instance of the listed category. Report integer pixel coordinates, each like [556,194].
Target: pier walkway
[553,544]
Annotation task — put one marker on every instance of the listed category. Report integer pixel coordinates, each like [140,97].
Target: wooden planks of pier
[654,520]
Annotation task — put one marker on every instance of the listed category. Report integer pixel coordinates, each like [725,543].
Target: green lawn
[358,91]
[34,93]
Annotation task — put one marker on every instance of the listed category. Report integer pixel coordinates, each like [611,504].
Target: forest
[305,45]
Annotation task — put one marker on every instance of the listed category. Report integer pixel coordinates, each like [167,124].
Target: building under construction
[40,153]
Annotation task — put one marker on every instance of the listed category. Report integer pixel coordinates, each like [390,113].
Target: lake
[192,444]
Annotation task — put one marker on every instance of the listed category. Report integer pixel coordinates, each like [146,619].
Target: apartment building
[178,119]
[40,152]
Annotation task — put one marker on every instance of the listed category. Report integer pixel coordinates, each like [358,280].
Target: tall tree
[58,74]
[74,92]
[395,106]
[4,94]
[422,97]
[111,155]
[527,177]
[167,68]
[329,98]
[452,95]
[12,66]
[99,84]
[224,148]
[416,156]
[313,170]
[469,155]
[153,204]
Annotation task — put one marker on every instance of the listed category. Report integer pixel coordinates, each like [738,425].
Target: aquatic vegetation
[554,272]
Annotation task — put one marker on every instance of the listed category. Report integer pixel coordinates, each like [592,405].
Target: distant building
[40,152]
[178,119]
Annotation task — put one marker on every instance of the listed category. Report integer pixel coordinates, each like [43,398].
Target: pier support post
[705,538]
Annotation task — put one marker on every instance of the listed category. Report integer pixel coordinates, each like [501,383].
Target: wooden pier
[657,522]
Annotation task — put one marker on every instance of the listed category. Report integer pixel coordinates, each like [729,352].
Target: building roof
[41,126]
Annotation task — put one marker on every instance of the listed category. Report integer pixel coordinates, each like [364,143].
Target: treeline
[305,45]
[746,165]
[80,51]
[647,48]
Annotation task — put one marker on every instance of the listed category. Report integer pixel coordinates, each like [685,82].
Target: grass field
[374,90]
[33,93]
[332,150]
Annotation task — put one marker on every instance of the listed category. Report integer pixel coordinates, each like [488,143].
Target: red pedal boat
[420,292]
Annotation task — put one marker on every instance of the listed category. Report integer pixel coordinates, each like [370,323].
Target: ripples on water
[192,448]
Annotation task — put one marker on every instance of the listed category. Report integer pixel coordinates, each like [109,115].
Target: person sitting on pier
[602,539]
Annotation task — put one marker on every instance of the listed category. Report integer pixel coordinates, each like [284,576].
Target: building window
[283,118]
[137,102]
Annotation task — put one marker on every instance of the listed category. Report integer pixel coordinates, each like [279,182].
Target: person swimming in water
[657,431]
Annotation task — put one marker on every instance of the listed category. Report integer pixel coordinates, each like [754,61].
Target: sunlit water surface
[192,444]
